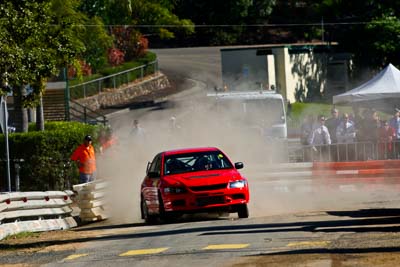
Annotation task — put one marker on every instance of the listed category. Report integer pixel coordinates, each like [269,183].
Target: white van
[261,110]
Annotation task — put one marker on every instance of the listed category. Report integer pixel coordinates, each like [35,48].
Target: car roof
[189,150]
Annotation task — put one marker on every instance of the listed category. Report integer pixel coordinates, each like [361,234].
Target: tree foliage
[368,29]
[35,40]
[224,21]
[147,17]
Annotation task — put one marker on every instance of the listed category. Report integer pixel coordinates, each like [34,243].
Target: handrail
[354,151]
[97,86]
[87,116]
[112,75]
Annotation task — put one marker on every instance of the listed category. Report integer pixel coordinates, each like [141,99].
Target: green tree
[97,42]
[33,43]
[368,29]
[148,17]
[223,22]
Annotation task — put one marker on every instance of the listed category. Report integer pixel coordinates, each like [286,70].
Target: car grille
[178,203]
[208,187]
[204,201]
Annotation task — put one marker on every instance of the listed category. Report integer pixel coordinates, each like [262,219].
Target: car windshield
[198,161]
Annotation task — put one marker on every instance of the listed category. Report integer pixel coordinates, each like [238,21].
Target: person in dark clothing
[370,134]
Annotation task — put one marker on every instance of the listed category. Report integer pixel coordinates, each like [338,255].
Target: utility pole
[4,127]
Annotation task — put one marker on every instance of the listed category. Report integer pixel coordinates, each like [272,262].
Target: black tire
[243,211]
[165,217]
[149,219]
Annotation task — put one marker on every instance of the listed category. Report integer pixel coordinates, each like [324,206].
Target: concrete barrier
[91,201]
[359,175]
[339,176]
[35,212]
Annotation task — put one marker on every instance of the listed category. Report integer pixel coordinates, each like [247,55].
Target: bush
[45,154]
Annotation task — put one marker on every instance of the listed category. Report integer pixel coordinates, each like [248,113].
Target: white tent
[381,92]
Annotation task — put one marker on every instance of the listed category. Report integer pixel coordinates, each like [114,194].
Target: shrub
[45,154]
[115,56]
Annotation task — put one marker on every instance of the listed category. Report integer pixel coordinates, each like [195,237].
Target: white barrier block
[91,195]
[91,186]
[91,204]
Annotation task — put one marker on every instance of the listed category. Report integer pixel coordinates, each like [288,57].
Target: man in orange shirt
[85,157]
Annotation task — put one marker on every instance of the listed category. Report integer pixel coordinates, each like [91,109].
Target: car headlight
[237,184]
[174,190]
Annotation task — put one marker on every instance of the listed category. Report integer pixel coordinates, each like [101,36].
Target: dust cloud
[189,119]
[193,120]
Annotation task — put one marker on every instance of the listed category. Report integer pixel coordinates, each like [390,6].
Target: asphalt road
[291,222]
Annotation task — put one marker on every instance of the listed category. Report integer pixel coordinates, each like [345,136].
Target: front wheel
[148,218]
[243,211]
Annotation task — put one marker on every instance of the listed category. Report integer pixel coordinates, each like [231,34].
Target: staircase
[54,105]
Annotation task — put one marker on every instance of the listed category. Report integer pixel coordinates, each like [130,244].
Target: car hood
[203,177]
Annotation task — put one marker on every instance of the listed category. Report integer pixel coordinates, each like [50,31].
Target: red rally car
[193,180]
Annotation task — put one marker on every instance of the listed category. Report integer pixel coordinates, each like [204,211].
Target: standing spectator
[332,123]
[320,138]
[346,131]
[289,108]
[395,124]
[357,119]
[137,129]
[306,129]
[386,134]
[84,156]
[370,133]
[346,136]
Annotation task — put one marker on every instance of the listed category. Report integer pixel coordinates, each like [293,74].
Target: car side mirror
[148,166]
[238,165]
[153,174]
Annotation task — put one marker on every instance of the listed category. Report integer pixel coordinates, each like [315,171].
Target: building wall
[299,73]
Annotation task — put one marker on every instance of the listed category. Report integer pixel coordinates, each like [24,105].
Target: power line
[219,25]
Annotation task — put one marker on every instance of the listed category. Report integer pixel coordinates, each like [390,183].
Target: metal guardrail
[113,81]
[85,114]
[35,212]
[357,151]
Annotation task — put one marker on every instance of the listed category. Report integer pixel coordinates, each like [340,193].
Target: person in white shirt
[320,140]
[320,134]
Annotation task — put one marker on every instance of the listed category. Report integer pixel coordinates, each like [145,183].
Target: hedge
[45,155]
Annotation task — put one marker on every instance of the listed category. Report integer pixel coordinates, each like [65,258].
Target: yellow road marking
[143,251]
[227,246]
[75,256]
[309,244]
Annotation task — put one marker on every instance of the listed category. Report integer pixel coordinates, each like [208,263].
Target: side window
[155,166]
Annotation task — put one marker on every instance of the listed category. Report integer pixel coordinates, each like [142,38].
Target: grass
[22,235]
[301,110]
